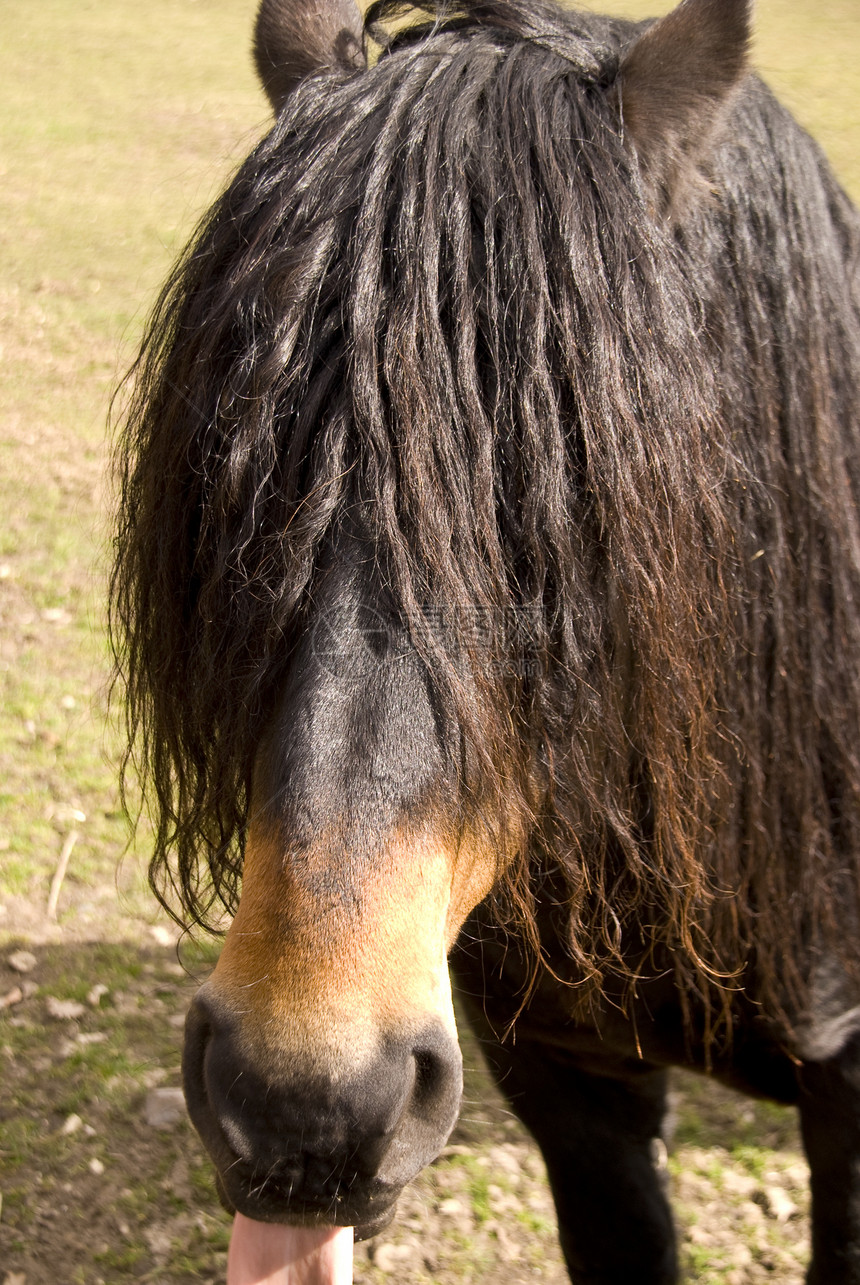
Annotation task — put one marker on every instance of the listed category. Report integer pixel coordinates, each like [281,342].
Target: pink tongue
[269,1254]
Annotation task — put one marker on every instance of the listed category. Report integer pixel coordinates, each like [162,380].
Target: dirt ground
[103,1179]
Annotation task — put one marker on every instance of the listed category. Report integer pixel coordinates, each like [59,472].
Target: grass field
[119,122]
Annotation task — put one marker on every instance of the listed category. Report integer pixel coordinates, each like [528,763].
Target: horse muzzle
[308,1136]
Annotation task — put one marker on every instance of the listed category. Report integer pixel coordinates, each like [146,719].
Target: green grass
[476,1185]
[119,124]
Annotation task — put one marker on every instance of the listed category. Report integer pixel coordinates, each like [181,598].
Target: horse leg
[829,1105]
[597,1134]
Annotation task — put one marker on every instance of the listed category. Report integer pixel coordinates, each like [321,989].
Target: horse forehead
[353,743]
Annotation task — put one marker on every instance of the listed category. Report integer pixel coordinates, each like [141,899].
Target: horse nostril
[200,1030]
[431,1077]
[438,1081]
[429,1111]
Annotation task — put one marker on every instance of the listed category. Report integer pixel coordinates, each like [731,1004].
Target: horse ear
[675,86]
[293,38]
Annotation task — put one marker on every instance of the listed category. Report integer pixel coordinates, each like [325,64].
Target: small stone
[14,1278]
[699,1235]
[507,1159]
[11,998]
[95,996]
[738,1183]
[179,1181]
[510,1249]
[162,935]
[22,961]
[778,1204]
[391,1258]
[64,1009]
[164,1108]
[457,1214]
[67,814]
[159,1241]
[56,615]
[71,1125]
[154,1076]
[750,1211]
[96,1167]
[501,1202]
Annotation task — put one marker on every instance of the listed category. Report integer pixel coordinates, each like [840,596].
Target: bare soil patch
[95,1189]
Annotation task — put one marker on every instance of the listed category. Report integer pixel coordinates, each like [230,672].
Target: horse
[486,608]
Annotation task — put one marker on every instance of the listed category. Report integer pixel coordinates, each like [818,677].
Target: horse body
[593,1092]
[488,584]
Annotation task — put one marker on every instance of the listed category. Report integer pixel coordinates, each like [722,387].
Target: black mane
[439,305]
